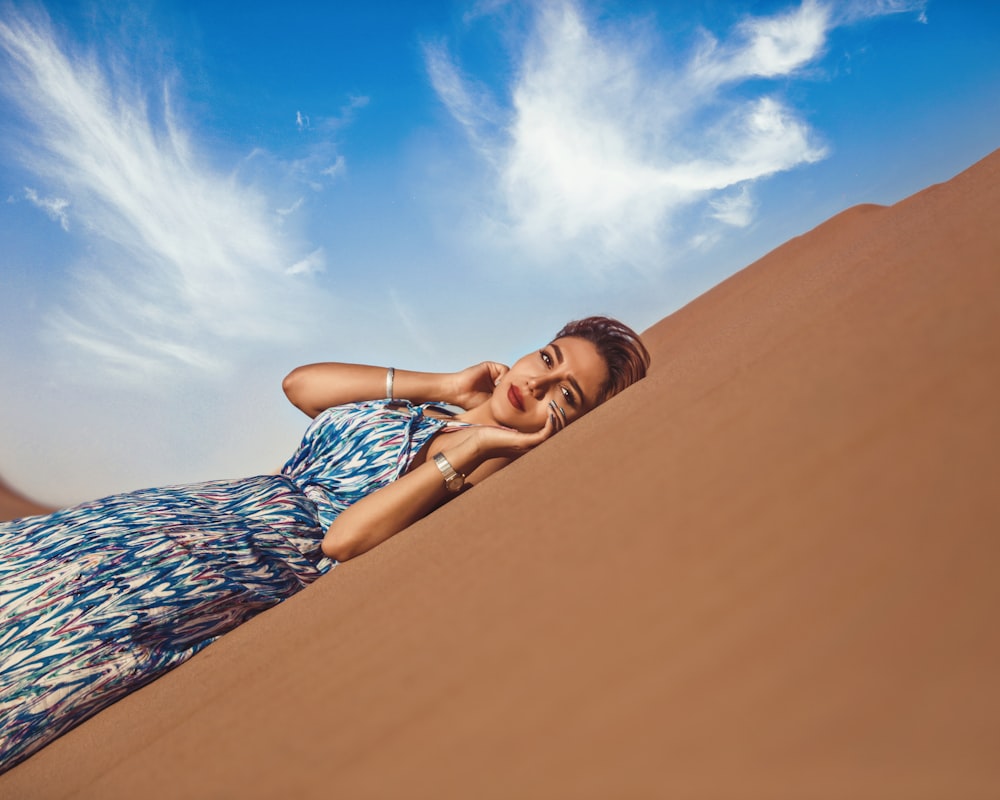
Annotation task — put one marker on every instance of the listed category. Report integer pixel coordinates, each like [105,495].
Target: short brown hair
[620,347]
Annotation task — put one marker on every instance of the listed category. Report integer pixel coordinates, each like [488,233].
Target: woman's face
[563,378]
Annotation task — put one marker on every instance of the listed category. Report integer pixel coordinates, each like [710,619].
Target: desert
[779,577]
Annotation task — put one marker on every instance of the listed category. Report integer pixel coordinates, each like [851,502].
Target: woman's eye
[567,394]
[545,358]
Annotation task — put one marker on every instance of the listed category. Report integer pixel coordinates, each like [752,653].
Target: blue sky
[200,196]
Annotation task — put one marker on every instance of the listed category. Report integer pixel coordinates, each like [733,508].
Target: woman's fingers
[474,385]
[551,427]
[497,371]
[558,414]
[498,441]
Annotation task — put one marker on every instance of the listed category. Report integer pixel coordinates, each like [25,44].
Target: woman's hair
[620,347]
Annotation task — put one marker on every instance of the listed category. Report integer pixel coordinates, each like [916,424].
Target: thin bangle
[389,377]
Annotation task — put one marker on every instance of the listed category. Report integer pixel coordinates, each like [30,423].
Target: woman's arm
[476,453]
[316,387]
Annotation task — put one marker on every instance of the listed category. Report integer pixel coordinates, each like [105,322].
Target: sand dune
[13,504]
[771,569]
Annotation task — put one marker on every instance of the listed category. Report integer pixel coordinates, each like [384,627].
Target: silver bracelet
[389,377]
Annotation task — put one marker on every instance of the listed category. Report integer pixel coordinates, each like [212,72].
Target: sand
[13,504]
[771,569]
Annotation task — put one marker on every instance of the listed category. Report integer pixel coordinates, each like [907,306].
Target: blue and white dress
[100,599]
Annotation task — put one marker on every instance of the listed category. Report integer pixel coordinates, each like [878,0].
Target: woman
[99,599]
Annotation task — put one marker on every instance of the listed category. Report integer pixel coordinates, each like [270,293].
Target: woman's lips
[514,396]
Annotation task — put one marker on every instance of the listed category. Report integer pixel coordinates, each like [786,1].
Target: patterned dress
[100,599]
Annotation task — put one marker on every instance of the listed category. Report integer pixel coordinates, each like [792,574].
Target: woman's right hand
[495,441]
[474,385]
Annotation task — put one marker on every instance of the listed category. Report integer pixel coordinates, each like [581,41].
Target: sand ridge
[13,504]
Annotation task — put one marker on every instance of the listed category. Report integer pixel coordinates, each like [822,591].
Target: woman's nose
[537,385]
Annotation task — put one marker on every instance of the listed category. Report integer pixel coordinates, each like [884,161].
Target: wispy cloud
[469,102]
[188,262]
[345,115]
[848,12]
[336,169]
[734,209]
[322,160]
[764,47]
[289,210]
[314,262]
[55,207]
[602,144]
[484,8]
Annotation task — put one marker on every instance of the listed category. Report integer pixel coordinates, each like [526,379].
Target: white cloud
[602,144]
[188,263]
[471,104]
[312,263]
[345,115]
[336,169]
[55,207]
[484,8]
[321,159]
[734,209]
[284,212]
[764,47]
[847,12]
